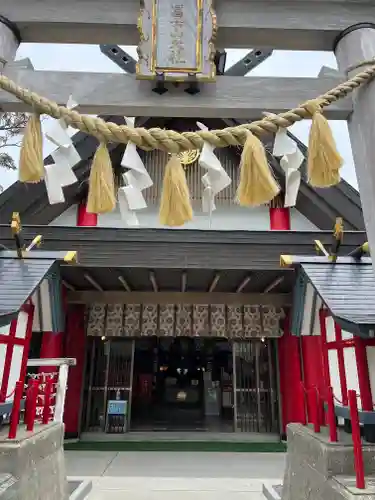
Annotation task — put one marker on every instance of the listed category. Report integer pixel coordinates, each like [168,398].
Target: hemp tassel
[101,197]
[324,161]
[175,205]
[31,164]
[257,184]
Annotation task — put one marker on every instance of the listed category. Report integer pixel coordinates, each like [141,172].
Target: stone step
[272,491]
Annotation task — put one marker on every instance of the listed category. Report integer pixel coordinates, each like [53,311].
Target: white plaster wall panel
[334,373]
[330,328]
[21,324]
[225,218]
[3,353]
[298,222]
[36,318]
[346,335]
[45,309]
[316,319]
[370,351]
[15,370]
[5,330]
[67,218]
[307,310]
[351,371]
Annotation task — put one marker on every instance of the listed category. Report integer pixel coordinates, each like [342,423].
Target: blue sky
[282,63]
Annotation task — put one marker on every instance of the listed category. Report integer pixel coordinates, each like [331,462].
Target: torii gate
[345,26]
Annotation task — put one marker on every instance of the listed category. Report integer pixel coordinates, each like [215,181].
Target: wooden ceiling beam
[214,282]
[243,284]
[89,297]
[281,24]
[274,284]
[230,97]
[184,281]
[93,282]
[124,283]
[154,283]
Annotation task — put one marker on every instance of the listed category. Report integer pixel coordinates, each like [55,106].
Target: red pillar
[292,398]
[74,348]
[52,347]
[363,374]
[75,345]
[279,219]
[84,218]
[292,403]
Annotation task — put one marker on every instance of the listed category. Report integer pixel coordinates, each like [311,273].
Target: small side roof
[19,278]
[346,287]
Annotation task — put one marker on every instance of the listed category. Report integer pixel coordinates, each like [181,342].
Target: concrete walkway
[162,475]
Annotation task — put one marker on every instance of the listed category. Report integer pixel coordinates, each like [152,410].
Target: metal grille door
[110,374]
[255,401]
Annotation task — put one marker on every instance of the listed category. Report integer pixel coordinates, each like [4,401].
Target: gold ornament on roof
[188,157]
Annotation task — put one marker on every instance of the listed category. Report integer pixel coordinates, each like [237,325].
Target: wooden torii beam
[281,24]
[228,97]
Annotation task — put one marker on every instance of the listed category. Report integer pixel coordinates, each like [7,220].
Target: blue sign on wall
[117,407]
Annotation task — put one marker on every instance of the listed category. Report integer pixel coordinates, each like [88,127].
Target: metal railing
[315,401]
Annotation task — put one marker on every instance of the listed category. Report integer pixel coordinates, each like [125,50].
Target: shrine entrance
[180,384]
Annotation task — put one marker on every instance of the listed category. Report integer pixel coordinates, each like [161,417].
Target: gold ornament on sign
[188,157]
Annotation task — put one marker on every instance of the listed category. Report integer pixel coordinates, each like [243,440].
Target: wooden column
[84,218]
[279,215]
[355,50]
[9,41]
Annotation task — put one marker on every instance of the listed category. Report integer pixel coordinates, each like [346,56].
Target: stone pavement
[163,475]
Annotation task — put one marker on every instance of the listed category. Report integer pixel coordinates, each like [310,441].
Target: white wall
[225,218]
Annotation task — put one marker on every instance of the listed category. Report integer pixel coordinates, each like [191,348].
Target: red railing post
[48,389]
[303,398]
[357,443]
[312,395]
[27,401]
[32,405]
[331,416]
[15,415]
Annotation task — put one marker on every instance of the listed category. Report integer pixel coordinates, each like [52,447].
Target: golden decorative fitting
[16,223]
[339,229]
[71,257]
[319,247]
[188,157]
[286,261]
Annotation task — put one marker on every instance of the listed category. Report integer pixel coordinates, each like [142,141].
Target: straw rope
[174,142]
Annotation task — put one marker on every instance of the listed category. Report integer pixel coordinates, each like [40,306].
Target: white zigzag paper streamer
[215,179]
[291,160]
[130,197]
[65,156]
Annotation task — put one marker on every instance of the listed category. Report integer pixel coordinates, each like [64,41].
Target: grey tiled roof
[347,289]
[18,280]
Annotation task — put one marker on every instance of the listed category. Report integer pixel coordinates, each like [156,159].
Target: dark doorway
[182,384]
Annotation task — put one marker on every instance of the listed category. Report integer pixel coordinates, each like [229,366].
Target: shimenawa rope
[174,142]
[257,185]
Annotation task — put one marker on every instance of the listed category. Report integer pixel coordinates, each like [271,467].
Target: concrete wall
[319,470]
[36,462]
[225,218]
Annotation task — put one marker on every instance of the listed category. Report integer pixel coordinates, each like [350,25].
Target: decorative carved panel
[218,320]
[149,319]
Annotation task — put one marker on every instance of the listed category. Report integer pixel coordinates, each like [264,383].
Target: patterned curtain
[217,320]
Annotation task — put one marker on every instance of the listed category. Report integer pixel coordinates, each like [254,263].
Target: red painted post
[312,396]
[32,405]
[48,390]
[331,416]
[303,398]
[27,401]
[15,415]
[357,443]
